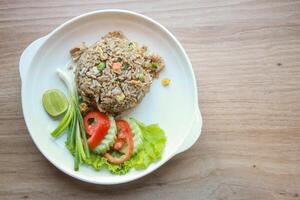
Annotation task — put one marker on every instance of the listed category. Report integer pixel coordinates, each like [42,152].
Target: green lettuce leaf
[154,141]
[119,169]
[96,161]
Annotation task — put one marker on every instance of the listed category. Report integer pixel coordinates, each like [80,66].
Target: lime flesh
[55,102]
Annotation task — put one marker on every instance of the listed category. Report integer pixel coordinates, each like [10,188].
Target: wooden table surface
[246,57]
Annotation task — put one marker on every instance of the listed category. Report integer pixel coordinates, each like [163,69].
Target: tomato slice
[96,125]
[118,144]
[123,131]
[91,122]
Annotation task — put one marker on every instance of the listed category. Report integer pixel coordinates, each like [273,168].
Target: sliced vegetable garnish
[136,134]
[153,145]
[109,138]
[123,128]
[119,144]
[96,125]
[92,122]
[55,102]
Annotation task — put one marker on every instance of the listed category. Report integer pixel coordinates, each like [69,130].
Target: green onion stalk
[76,140]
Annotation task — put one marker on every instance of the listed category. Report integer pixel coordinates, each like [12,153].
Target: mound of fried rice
[114,74]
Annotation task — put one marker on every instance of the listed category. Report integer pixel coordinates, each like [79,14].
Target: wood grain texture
[246,57]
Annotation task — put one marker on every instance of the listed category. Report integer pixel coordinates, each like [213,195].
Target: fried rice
[114,74]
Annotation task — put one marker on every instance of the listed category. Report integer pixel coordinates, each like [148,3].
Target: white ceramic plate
[174,108]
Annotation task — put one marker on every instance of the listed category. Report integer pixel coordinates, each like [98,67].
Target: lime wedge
[55,102]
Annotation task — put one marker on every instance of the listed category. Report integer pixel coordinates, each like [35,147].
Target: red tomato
[91,122]
[118,144]
[96,125]
[123,130]
[121,135]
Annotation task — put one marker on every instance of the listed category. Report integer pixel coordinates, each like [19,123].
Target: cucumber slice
[136,134]
[109,138]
